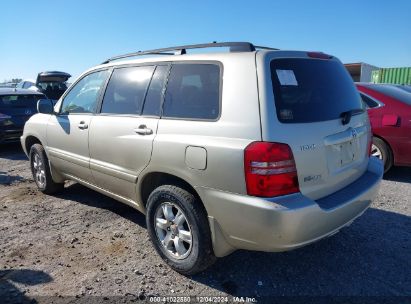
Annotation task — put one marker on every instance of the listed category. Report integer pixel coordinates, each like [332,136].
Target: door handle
[143,130]
[82,125]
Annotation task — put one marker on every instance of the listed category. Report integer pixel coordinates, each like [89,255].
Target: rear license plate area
[347,153]
[342,156]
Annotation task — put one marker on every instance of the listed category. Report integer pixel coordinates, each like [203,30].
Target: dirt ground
[83,245]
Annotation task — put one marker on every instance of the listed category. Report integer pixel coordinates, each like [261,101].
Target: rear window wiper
[346,116]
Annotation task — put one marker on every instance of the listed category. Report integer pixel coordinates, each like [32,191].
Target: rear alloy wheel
[41,171]
[173,230]
[178,227]
[380,150]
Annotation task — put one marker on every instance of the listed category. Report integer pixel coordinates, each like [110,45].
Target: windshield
[312,90]
[19,101]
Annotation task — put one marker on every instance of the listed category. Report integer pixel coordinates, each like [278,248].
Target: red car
[389,109]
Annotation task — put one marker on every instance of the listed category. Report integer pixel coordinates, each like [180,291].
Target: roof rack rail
[181,50]
[265,48]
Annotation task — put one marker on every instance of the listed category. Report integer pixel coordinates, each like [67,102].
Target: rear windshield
[312,90]
[399,93]
[19,101]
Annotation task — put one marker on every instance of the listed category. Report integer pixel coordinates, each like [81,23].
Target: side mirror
[45,106]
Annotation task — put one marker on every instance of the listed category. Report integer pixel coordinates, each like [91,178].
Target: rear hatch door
[52,83]
[52,76]
[317,110]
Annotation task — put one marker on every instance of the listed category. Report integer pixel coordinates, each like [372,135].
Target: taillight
[319,55]
[270,169]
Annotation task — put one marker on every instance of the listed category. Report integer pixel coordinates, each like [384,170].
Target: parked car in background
[255,149]
[52,83]
[16,107]
[404,87]
[389,109]
[8,85]
[29,84]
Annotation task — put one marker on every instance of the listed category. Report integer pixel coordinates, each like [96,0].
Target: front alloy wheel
[39,170]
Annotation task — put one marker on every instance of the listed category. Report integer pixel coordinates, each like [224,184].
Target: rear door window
[154,97]
[126,90]
[193,91]
[312,90]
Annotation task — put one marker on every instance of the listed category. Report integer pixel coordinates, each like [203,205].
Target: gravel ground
[80,243]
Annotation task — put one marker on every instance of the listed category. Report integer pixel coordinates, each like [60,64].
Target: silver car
[254,148]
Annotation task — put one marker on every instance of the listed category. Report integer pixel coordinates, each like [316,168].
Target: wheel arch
[29,141]
[152,180]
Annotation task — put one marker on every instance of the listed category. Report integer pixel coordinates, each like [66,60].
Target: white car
[29,84]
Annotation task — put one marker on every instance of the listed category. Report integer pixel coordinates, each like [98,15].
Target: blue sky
[74,35]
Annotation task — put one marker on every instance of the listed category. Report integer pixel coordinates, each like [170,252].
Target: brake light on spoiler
[319,55]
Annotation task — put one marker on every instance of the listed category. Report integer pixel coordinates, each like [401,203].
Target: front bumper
[287,222]
[23,145]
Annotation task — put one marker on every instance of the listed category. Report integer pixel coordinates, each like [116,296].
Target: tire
[165,206]
[381,150]
[40,170]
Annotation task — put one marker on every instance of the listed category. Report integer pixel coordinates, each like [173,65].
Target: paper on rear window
[286,77]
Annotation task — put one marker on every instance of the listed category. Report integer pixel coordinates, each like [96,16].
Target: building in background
[361,72]
[392,75]
[364,72]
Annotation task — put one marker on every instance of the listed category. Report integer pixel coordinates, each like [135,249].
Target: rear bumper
[287,222]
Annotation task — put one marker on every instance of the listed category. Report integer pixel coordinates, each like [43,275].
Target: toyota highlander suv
[252,148]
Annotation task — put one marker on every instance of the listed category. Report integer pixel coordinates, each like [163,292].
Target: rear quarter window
[312,90]
[193,92]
